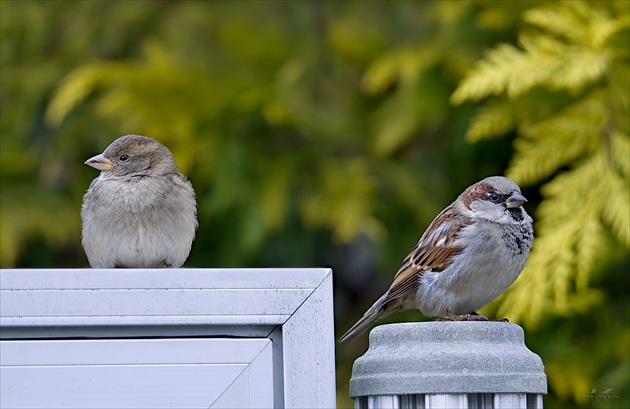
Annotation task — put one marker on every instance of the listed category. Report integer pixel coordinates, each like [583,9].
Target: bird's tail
[376,311]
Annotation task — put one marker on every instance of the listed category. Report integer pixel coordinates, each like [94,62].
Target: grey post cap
[447,357]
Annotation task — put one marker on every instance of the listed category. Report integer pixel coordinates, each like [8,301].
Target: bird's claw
[473,316]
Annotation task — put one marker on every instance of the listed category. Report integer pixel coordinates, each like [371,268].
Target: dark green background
[315,134]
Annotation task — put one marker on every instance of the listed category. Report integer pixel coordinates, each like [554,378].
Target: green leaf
[547,145]
[494,119]
[74,89]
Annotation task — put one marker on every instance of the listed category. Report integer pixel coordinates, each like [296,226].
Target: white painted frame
[291,307]
[137,373]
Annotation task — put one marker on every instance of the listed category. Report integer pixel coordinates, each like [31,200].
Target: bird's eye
[494,197]
[124,158]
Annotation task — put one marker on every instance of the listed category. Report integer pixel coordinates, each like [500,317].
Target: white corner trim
[292,307]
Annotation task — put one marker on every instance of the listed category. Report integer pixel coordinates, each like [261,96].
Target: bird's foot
[473,316]
[482,318]
[451,316]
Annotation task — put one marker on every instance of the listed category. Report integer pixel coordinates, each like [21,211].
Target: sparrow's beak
[516,200]
[100,162]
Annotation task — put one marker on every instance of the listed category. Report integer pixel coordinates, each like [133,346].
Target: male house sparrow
[471,253]
[140,212]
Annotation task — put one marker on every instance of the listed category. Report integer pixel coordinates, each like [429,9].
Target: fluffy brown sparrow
[471,253]
[140,212]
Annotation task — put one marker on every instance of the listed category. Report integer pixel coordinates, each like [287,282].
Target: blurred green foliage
[331,133]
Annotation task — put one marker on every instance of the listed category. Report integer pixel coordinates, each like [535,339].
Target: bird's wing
[434,252]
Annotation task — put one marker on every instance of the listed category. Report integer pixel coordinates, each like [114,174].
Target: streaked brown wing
[434,252]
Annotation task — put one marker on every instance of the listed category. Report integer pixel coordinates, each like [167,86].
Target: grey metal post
[448,365]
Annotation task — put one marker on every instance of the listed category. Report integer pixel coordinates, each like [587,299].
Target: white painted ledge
[293,308]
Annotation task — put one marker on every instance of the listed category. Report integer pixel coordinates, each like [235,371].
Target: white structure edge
[292,307]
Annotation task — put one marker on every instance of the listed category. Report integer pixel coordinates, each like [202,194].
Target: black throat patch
[516,214]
